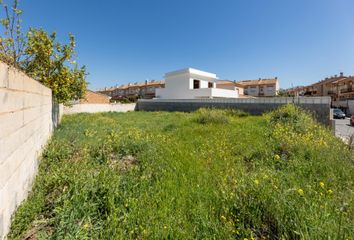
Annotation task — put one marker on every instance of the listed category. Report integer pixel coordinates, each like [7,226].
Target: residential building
[191,83]
[294,91]
[229,84]
[94,97]
[338,87]
[254,88]
[260,87]
[133,90]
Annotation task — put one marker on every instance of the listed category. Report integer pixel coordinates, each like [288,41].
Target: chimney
[341,74]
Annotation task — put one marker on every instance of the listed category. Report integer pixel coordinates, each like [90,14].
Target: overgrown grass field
[212,174]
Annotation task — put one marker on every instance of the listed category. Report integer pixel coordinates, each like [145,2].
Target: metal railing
[347,90]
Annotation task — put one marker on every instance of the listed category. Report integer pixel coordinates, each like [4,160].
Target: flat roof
[191,71]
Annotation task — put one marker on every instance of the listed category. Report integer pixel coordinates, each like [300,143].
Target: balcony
[347,90]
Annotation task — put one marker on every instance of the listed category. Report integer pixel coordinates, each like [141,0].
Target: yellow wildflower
[322,184]
[300,191]
[256,182]
[330,191]
[223,218]
[277,157]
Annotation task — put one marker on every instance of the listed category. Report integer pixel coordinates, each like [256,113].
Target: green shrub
[207,116]
[292,116]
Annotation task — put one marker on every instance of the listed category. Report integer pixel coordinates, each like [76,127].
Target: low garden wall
[319,106]
[26,123]
[95,108]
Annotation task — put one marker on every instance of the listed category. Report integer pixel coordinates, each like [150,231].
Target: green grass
[159,175]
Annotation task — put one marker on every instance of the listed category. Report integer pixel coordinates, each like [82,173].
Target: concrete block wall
[319,106]
[95,108]
[25,126]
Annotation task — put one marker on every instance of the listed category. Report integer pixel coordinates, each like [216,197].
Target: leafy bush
[291,116]
[217,116]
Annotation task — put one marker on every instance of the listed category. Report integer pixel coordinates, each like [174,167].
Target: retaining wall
[319,106]
[95,108]
[25,126]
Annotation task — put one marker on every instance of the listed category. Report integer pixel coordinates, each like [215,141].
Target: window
[196,84]
[210,85]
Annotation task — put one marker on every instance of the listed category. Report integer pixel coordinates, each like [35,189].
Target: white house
[191,83]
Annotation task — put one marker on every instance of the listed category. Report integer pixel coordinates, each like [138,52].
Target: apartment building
[254,88]
[338,87]
[145,90]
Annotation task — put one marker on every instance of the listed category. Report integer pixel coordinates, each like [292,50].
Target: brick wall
[25,126]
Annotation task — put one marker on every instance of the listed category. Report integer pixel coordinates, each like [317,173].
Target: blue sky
[120,41]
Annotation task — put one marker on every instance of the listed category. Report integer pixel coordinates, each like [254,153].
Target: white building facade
[191,83]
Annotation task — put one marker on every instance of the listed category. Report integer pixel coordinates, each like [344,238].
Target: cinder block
[10,122]
[31,86]
[4,76]
[11,164]
[31,114]
[15,80]
[10,101]
[36,87]
[16,139]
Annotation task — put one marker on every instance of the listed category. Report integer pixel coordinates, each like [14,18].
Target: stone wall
[319,106]
[25,126]
[95,108]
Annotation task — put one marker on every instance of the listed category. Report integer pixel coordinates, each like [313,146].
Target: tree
[12,43]
[53,64]
[42,57]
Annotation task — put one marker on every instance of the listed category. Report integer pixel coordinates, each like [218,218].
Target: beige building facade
[253,88]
